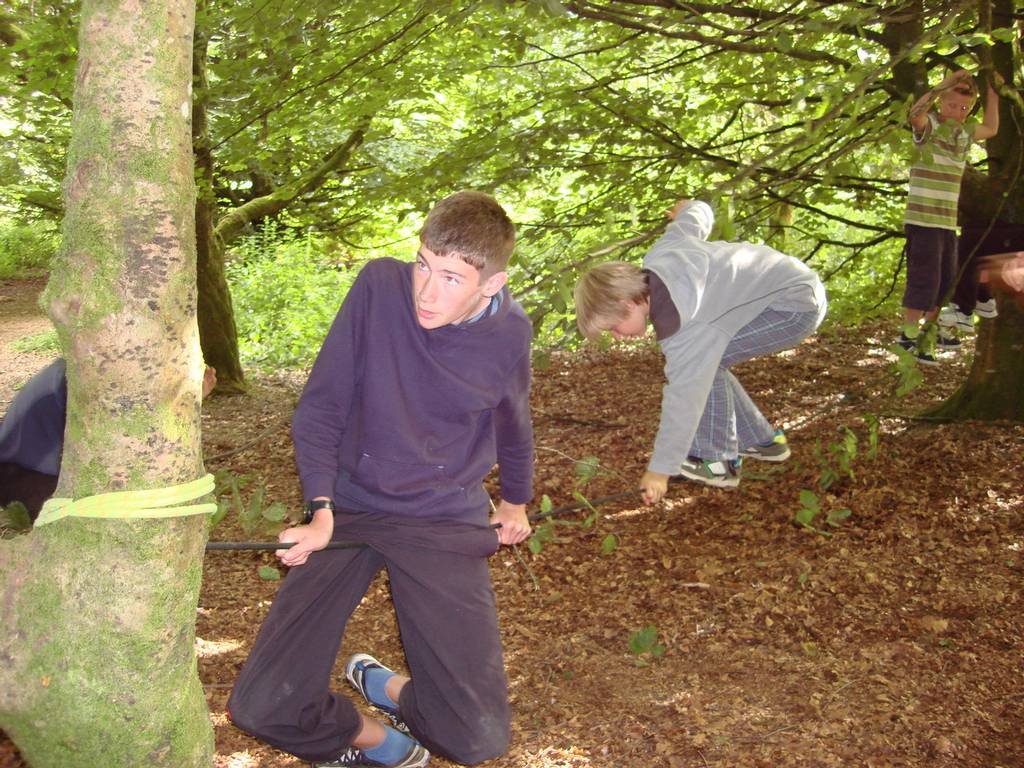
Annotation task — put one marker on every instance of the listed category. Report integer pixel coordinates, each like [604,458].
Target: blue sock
[375,679]
[390,751]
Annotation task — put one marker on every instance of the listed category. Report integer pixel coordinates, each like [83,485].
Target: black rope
[272,545]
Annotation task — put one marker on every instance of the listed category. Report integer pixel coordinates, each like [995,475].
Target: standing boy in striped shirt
[942,140]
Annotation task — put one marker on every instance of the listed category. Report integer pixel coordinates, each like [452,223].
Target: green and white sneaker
[720,473]
[776,450]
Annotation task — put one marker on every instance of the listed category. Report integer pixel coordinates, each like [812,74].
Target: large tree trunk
[994,389]
[98,615]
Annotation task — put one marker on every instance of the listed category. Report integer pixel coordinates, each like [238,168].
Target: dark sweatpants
[457,702]
[975,242]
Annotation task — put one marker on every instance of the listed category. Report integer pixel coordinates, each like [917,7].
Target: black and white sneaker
[906,342]
[947,340]
[353,757]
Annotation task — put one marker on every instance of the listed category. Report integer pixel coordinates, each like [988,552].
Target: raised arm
[990,121]
[918,115]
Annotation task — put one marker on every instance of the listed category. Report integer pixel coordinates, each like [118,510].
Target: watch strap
[313,506]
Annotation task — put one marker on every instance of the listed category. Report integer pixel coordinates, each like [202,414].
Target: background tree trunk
[994,388]
[218,333]
[98,616]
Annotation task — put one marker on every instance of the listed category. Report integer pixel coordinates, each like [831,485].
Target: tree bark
[97,620]
[994,389]
[218,332]
[217,328]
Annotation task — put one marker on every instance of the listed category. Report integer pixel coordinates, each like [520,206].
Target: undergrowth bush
[26,249]
[286,291]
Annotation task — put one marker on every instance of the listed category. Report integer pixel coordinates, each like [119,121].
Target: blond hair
[471,226]
[602,292]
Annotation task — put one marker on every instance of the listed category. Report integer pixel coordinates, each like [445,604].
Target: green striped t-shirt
[936,167]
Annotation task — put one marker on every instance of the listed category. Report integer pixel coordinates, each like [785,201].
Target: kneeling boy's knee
[483,739]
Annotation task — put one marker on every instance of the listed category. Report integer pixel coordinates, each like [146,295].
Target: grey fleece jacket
[717,288]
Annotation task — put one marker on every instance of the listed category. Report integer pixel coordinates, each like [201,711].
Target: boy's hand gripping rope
[271,545]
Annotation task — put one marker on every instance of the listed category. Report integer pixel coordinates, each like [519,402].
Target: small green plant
[837,462]
[906,370]
[544,533]
[37,342]
[256,515]
[645,646]
[810,508]
[269,573]
[14,518]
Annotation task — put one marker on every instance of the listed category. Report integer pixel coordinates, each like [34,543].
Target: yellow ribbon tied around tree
[133,505]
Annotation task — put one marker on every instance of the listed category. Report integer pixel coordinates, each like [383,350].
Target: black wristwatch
[313,506]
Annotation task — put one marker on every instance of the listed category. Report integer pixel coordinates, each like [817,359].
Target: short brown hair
[600,294]
[472,226]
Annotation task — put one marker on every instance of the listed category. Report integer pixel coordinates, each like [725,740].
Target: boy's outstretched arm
[515,527]
[990,121]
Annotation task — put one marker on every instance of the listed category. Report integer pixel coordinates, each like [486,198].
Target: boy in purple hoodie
[421,386]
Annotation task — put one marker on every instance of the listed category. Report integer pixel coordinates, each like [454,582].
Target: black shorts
[931,266]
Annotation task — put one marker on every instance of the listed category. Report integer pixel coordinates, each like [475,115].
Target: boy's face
[955,105]
[447,291]
[634,324]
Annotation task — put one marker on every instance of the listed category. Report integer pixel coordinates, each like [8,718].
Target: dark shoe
[776,450]
[906,342]
[926,358]
[353,757]
[721,473]
[947,340]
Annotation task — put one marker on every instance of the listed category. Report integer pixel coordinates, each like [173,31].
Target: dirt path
[20,316]
[895,641]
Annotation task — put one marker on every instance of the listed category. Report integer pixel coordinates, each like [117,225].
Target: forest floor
[893,641]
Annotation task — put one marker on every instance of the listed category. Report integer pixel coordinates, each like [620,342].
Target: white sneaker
[954,318]
[986,309]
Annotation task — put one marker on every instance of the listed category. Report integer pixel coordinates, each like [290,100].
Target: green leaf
[587,468]
[275,513]
[1004,34]
[609,544]
[545,504]
[836,516]
[805,516]
[645,641]
[809,500]
[269,573]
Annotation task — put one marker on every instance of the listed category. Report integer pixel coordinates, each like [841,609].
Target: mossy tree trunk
[97,620]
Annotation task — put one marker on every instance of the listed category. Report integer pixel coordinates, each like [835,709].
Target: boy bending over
[712,305]
[420,387]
